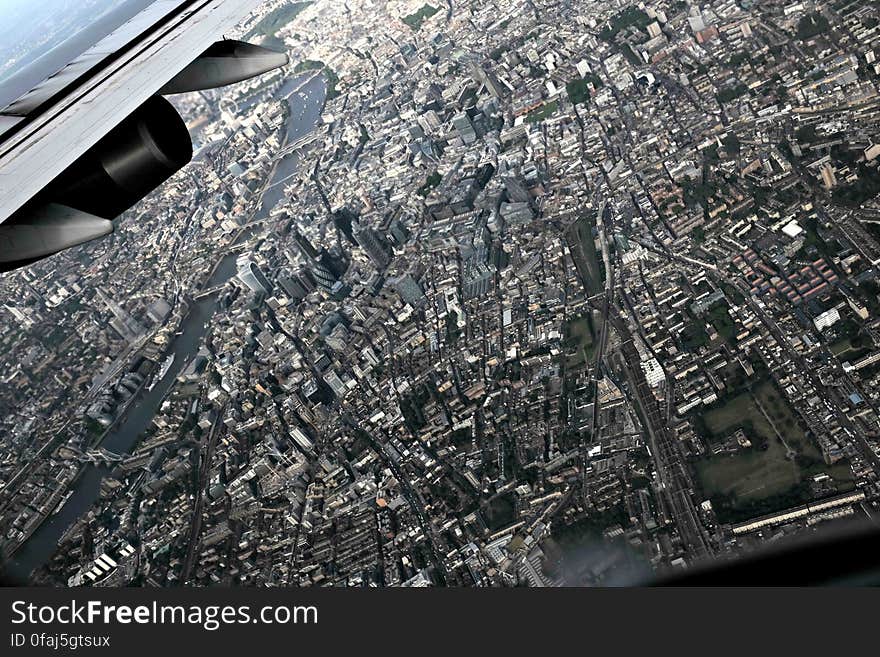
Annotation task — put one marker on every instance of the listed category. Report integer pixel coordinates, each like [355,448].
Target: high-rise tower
[250,275]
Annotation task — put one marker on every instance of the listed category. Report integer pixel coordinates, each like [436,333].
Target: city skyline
[476,294]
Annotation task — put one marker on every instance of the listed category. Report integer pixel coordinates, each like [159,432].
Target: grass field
[841,347]
[276,19]
[845,350]
[583,252]
[747,407]
[720,318]
[415,20]
[752,475]
[581,331]
[541,113]
[749,475]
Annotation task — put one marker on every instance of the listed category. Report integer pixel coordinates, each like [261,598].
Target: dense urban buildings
[519,293]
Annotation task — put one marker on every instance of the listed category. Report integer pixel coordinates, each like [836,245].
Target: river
[305,110]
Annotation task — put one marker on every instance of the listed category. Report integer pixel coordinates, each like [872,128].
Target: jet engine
[136,156]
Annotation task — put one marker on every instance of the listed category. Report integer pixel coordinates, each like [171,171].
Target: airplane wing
[93,139]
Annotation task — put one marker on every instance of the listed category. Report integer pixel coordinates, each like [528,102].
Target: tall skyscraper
[323,276]
[305,246]
[318,263]
[465,128]
[488,80]
[296,286]
[123,323]
[158,311]
[251,276]
[409,290]
[343,218]
[374,245]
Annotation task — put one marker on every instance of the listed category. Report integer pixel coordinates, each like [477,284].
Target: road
[195,525]
[410,495]
[674,480]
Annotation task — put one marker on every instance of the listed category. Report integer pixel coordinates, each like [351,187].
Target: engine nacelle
[38,231]
[129,162]
[134,158]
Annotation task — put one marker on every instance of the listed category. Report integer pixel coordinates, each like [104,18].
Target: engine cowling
[38,231]
[129,162]
[134,158]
